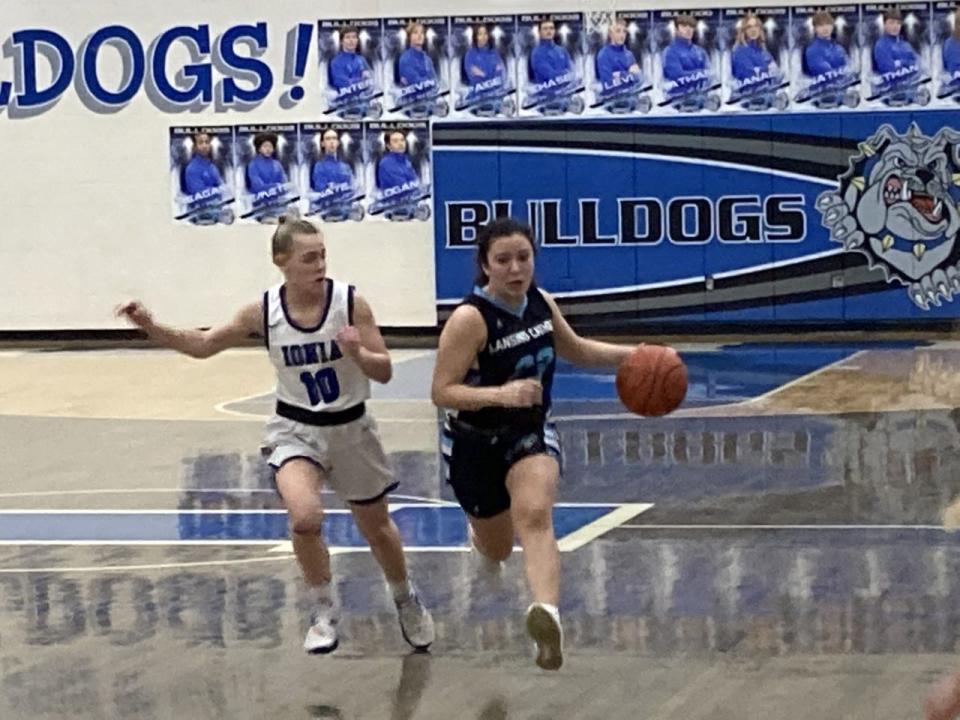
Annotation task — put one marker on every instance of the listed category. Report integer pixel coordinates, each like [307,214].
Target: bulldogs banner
[843,217]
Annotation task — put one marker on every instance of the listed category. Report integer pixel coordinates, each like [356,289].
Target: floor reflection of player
[329,170]
[395,168]
[482,62]
[891,52]
[549,61]
[200,173]
[615,60]
[415,65]
[348,66]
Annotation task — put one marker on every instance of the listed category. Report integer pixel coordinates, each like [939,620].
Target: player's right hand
[136,313]
[521,393]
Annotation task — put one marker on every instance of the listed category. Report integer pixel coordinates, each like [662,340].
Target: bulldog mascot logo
[897,205]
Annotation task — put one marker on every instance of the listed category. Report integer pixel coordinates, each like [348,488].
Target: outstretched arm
[579,350]
[363,342]
[196,343]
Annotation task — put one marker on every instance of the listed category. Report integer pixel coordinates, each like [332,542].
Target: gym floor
[771,549]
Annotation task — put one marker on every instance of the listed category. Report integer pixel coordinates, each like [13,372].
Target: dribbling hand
[521,393]
[136,313]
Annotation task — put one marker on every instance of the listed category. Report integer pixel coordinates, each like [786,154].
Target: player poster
[331,177]
[351,68]
[550,64]
[617,63]
[398,169]
[756,58]
[825,57]
[267,161]
[896,54]
[201,174]
[416,68]
[483,66]
[686,62]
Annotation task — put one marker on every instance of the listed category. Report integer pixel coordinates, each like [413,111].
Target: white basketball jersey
[312,371]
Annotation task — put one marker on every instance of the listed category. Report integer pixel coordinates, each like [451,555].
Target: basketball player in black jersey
[494,373]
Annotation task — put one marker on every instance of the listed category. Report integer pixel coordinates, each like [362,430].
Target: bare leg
[381,532]
[943,699]
[493,536]
[532,484]
[299,483]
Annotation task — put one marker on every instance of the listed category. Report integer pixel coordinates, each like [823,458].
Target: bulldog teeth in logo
[898,205]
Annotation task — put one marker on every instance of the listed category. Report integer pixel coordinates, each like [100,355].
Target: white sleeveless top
[313,373]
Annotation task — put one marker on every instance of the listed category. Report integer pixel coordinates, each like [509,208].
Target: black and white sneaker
[543,625]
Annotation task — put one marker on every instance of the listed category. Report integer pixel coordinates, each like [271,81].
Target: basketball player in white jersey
[325,347]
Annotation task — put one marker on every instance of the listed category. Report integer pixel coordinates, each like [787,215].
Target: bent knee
[306,521]
[533,518]
[498,552]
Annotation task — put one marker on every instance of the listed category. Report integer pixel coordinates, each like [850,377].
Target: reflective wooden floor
[772,549]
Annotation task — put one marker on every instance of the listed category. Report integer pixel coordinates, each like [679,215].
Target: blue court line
[420,526]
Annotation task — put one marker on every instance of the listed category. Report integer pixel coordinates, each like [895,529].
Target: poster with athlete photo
[483,66]
[351,68]
[617,63]
[895,55]
[201,174]
[945,55]
[266,172]
[330,172]
[416,70]
[825,57]
[755,58]
[397,169]
[686,61]
[550,64]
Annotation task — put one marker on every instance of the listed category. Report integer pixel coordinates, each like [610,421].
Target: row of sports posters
[758,59]
[332,170]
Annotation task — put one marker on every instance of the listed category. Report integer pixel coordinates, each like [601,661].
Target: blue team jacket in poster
[347,68]
[682,58]
[394,170]
[821,57]
[951,55]
[265,173]
[892,53]
[548,61]
[486,60]
[329,171]
[748,59]
[199,175]
[613,59]
[416,66]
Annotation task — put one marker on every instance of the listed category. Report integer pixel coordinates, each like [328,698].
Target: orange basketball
[652,380]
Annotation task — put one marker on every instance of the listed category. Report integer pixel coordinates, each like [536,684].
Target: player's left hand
[348,338]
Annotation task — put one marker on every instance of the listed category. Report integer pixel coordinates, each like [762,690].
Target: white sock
[323,594]
[401,590]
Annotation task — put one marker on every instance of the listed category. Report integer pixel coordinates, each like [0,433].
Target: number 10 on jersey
[321,385]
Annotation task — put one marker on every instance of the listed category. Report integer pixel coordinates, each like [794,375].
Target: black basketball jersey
[517,347]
